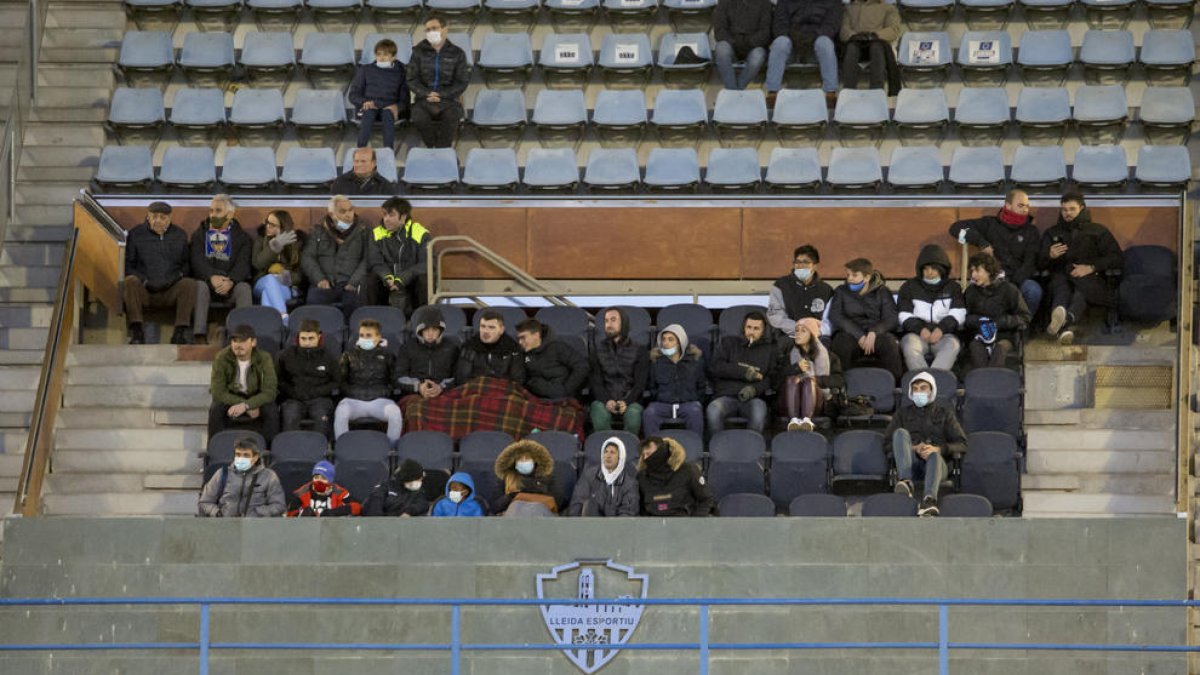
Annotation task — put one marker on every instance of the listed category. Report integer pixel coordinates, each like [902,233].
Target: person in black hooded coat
[669,484]
[931,311]
[996,313]
[619,367]
[401,495]
[1078,252]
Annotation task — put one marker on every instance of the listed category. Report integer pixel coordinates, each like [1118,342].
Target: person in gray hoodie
[608,489]
[244,489]
[677,380]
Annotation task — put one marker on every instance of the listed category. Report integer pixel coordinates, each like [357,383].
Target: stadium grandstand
[394,335]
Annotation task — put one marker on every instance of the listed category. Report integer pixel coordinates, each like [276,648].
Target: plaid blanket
[491,404]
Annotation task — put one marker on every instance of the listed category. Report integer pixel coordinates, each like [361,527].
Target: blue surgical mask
[932,282]
[920,398]
[366,344]
[525,467]
[803,274]
[669,351]
[242,464]
[342,226]
[856,287]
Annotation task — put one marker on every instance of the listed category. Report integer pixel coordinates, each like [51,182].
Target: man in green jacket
[243,386]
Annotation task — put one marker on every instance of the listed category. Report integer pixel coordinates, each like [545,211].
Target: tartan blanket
[491,404]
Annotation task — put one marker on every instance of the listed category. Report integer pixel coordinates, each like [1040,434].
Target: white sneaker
[1058,319]
[1066,337]
[806,424]
[795,424]
[904,487]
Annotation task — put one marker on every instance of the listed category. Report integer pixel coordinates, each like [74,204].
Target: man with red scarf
[321,497]
[1010,238]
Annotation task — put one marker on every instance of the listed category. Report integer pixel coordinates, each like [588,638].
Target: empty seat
[509,14]
[740,116]
[339,10]
[854,169]
[207,56]
[745,505]
[145,53]
[331,319]
[1163,166]
[672,170]
[1046,14]
[1100,113]
[572,15]
[690,14]
[498,116]
[219,451]
[859,463]
[1107,14]
[1043,115]
[964,506]
[1100,166]
[977,168]
[1039,167]
[680,116]
[461,13]
[794,169]
[560,115]
[395,13]
[1045,56]
[992,401]
[861,115]
[309,168]
[625,58]
[915,168]
[981,115]
[1148,285]
[1107,56]
[188,168]
[1167,56]
[733,169]
[800,115]
[620,116]
[921,115]
[257,115]
[276,13]
[566,59]
[403,47]
[215,13]
[266,322]
[506,58]
[799,466]
[612,169]
[248,168]
[198,114]
[157,12]
[431,449]
[696,320]
[990,469]
[551,169]
[818,506]
[1167,114]
[889,505]
[926,14]
[986,14]
[692,73]
[477,453]
[137,112]
[319,112]
[129,166]
[268,53]
[328,56]
[431,168]
[362,445]
[491,169]
[385,162]
[1169,13]
[629,15]
[564,320]
[984,57]
[737,459]
[876,384]
[360,476]
[924,58]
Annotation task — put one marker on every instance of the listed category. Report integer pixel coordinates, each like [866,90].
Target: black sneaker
[136,336]
[928,508]
[180,336]
[904,487]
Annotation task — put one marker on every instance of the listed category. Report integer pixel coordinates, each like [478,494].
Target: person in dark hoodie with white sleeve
[921,436]
[931,311]
[608,489]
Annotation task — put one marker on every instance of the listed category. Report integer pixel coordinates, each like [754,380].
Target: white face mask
[669,351]
[385,64]
[342,226]
[413,485]
[366,344]
[434,36]
[920,398]
[803,274]
[455,496]
[525,467]
[242,464]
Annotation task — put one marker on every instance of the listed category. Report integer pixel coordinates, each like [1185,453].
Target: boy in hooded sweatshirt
[677,381]
[863,317]
[931,311]
[425,365]
[921,436]
[401,495]
[607,489]
[1078,252]
[525,468]
[321,497]
[460,499]
[367,377]
[668,483]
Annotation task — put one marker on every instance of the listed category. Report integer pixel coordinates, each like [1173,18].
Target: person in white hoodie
[608,489]
[922,435]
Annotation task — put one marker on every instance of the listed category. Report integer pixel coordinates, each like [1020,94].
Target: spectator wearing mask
[397,256]
[668,483]
[334,259]
[243,386]
[996,313]
[800,295]
[526,473]
[363,178]
[221,253]
[321,497]
[402,495]
[1078,252]
[460,501]
[619,367]
[277,263]
[367,374]
[807,377]
[863,317]
[425,365]
[308,377]
[157,268]
[921,436]
[379,92]
[805,31]
[553,369]
[870,29]
[437,77]
[931,312]
[490,353]
[677,382]
[1011,238]
[245,489]
[608,489]
[742,371]
[742,29]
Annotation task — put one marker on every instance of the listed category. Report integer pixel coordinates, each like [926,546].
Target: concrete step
[20,253]
[175,374]
[10,466]
[127,461]
[13,441]
[76,75]
[15,420]
[128,355]
[49,191]
[29,277]
[166,439]
[17,401]
[1045,503]
[1092,418]
[90,114]
[99,418]
[1100,483]
[19,377]
[62,19]
[21,357]
[127,504]
[1133,355]
[23,338]
[68,484]
[41,134]
[1042,438]
[23,295]
[41,223]
[52,156]
[83,396]
[1072,462]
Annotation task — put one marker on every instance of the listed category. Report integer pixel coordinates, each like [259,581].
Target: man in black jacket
[437,77]
[1011,238]
[426,362]
[221,253]
[334,258]
[308,378]
[742,29]
[363,178]
[156,273]
[669,484]
[800,295]
[931,311]
[1078,253]
[401,495]
[863,317]
[368,375]
[491,353]
[743,369]
[805,29]
[923,435]
[619,367]
[553,369]
[379,91]
[397,257]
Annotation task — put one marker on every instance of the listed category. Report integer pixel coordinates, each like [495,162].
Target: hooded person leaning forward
[401,495]
[921,436]
[668,483]
[526,473]
[931,312]
[606,489]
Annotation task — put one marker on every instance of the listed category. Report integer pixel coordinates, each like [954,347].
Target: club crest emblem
[591,624]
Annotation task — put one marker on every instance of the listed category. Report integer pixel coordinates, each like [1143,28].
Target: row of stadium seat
[821,505]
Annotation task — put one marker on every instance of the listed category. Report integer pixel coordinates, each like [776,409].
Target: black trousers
[1077,293]
[887,351]
[857,51]
[318,410]
[437,122]
[267,423]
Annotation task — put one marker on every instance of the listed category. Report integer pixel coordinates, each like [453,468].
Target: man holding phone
[1078,252]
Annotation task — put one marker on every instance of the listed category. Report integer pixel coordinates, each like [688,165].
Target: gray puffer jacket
[254,494]
[340,259]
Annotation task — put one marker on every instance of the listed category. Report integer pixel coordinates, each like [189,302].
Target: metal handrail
[471,246]
[704,644]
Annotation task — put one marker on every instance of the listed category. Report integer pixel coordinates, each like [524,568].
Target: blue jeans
[270,293]
[934,467]
[724,57]
[781,55]
[1032,292]
[754,410]
[366,126]
[656,413]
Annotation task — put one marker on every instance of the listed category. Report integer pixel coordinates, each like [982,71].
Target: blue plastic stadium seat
[733,169]
[924,58]
[800,115]
[560,115]
[1167,114]
[1100,166]
[740,117]
[1167,166]
[854,169]
[694,74]
[921,115]
[982,113]
[1045,57]
[1039,167]
[915,168]
[137,111]
[977,168]
[206,55]
[491,169]
[926,14]
[257,112]
[799,466]
[680,115]
[327,57]
[861,115]
[431,168]
[1107,56]
[506,58]
[499,116]
[319,110]
[187,168]
[566,58]
[984,57]
[145,53]
[1043,114]
[248,168]
[129,166]
[889,505]
[551,169]
[268,53]
[612,169]
[625,58]
[794,169]
[1167,56]
[818,506]
[672,169]
[309,168]
[1100,113]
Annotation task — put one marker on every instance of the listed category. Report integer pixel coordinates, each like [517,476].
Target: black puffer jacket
[159,261]
[619,367]
[420,360]
[503,358]
[744,24]
[236,265]
[806,20]
[339,258]
[400,254]
[444,71]
[306,374]
[935,424]
[871,310]
[1088,243]
[555,370]
[671,487]
[728,367]
[679,381]
[999,301]
[367,374]
[352,185]
[1014,247]
[391,498]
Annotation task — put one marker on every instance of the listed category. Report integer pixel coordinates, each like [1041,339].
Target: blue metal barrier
[703,645]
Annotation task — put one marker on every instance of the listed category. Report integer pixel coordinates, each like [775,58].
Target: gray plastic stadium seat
[800,115]
[854,169]
[344,10]
[984,57]
[1107,14]
[625,58]
[981,115]
[924,58]
[1100,113]
[1045,56]
[560,115]
[1039,167]
[889,505]
[863,113]
[198,115]
[733,169]
[1163,166]
[145,53]
[276,13]
[463,40]
[506,58]
[385,162]
[620,116]
[404,44]
[318,110]
[974,168]
[395,12]
[794,169]
[1167,56]
[1100,166]
[672,169]
[964,506]
[986,14]
[125,166]
[746,505]
[206,56]
[491,169]
[1046,14]
[1167,114]
[461,13]
[248,168]
[915,168]
[327,57]
[926,14]
[549,169]
[740,116]
[1169,13]
[680,115]
[566,58]
[1043,114]
[157,12]
[268,53]
[512,14]
[257,114]
[921,115]
[572,15]
[137,111]
[221,12]
[309,168]
[189,168]
[695,74]
[1107,56]
[612,169]
[499,116]
[431,168]
[629,16]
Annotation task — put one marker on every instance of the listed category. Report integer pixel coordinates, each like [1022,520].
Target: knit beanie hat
[324,469]
[408,471]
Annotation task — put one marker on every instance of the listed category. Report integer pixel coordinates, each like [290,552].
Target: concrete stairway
[1098,443]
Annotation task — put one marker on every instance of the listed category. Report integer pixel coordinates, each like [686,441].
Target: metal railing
[20,103]
[704,643]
